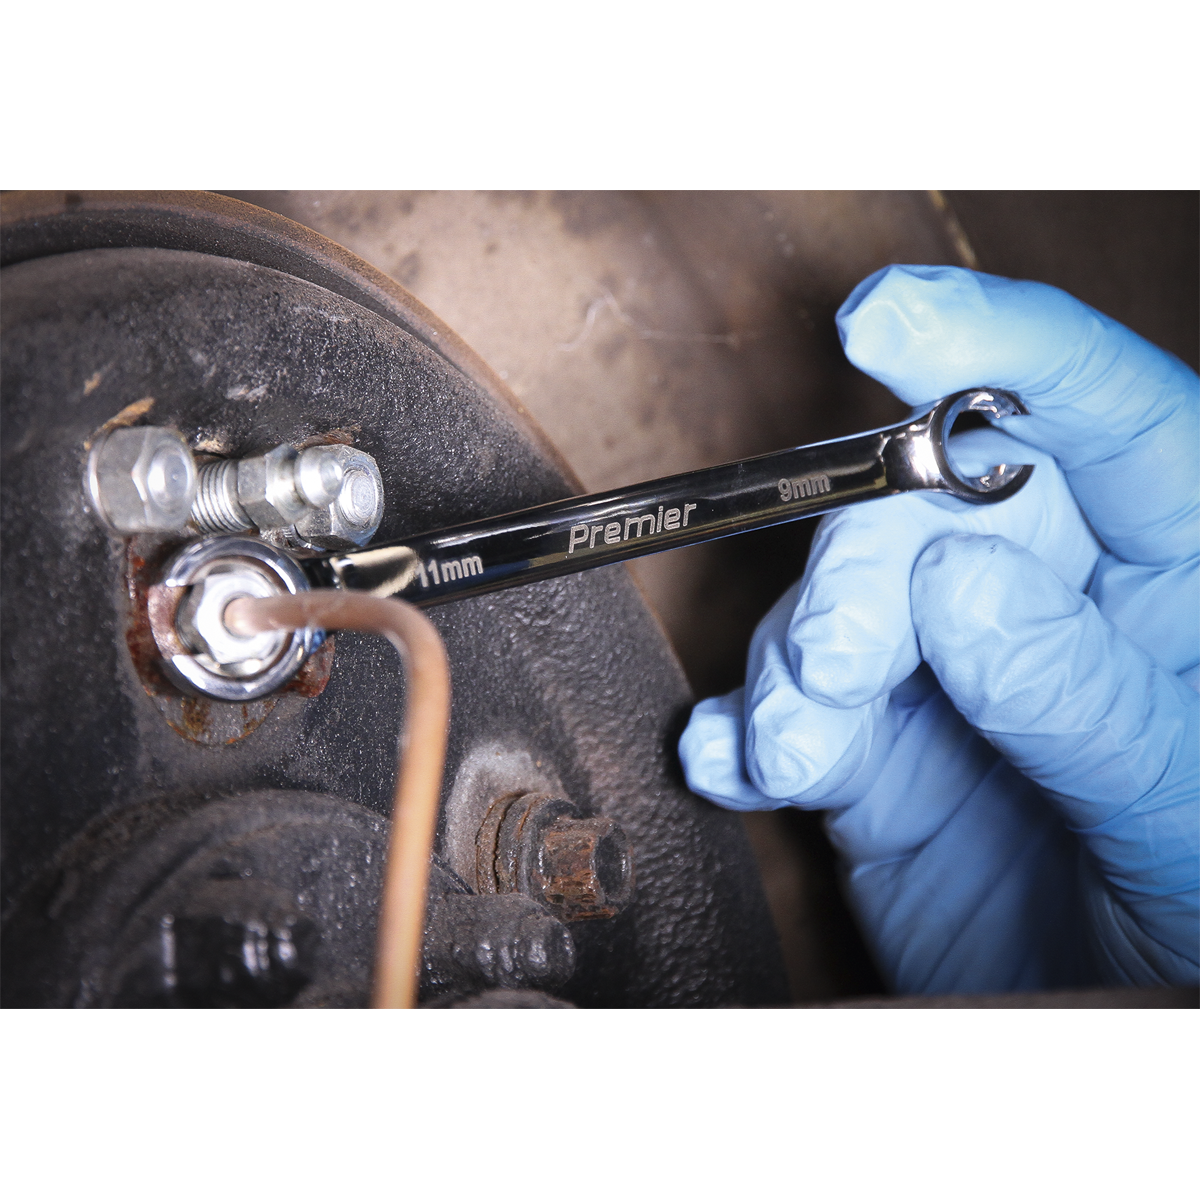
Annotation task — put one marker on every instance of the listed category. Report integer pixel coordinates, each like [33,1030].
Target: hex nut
[266,488]
[353,516]
[142,480]
[201,619]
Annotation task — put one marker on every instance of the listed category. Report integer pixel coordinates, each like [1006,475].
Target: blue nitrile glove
[997,704]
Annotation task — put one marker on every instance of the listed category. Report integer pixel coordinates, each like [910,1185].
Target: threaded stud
[216,508]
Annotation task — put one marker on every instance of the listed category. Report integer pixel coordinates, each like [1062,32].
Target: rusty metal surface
[572,678]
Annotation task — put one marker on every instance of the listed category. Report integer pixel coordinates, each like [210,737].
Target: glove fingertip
[711,751]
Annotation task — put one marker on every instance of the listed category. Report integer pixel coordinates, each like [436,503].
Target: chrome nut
[201,619]
[266,488]
[353,514]
[142,480]
[190,629]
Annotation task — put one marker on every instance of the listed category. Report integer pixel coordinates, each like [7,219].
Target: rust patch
[143,559]
[574,882]
[335,437]
[311,679]
[150,633]
[211,444]
[129,415]
[194,713]
[211,723]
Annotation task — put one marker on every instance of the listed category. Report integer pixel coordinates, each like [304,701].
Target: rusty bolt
[584,868]
[579,867]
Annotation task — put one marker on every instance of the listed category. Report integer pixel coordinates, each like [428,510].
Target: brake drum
[160,849]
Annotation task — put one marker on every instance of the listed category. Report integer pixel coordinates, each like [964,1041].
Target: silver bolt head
[266,487]
[201,620]
[353,515]
[142,480]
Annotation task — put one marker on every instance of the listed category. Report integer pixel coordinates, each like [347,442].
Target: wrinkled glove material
[997,705]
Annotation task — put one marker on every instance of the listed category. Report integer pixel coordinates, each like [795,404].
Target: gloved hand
[997,704]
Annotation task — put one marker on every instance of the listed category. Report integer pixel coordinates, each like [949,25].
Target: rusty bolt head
[584,868]
[352,515]
[142,480]
[578,867]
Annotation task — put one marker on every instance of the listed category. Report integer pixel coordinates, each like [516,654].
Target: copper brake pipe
[418,776]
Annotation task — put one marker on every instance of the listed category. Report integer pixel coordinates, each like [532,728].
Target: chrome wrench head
[918,458]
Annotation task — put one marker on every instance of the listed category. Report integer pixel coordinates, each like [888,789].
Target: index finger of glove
[1119,414]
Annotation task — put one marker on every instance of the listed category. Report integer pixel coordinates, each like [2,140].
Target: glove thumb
[1074,705]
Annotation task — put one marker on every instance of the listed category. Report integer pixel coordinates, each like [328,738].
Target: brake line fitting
[201,654]
[329,497]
